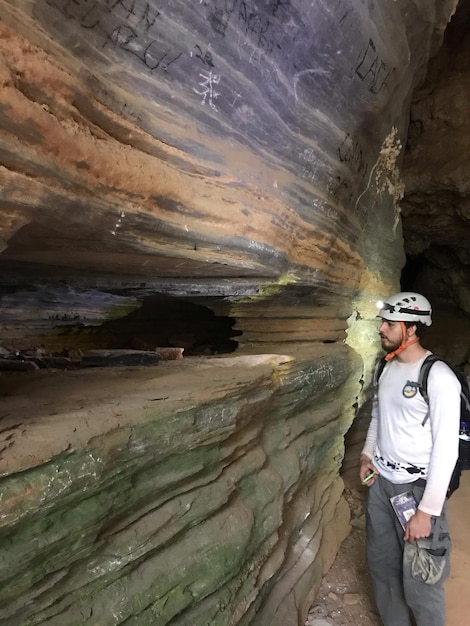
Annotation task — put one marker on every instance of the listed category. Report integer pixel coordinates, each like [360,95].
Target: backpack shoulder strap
[465,396]
[424,375]
[423,380]
[379,368]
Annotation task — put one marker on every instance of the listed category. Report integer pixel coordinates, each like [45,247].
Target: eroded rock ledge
[175,492]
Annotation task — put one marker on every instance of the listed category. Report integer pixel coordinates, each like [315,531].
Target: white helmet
[406,306]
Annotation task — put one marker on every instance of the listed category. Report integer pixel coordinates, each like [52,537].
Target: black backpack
[464,410]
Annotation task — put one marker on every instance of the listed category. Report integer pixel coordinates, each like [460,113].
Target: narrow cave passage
[411,271]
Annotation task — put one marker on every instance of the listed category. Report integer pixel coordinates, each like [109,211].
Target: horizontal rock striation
[214,177]
[155,501]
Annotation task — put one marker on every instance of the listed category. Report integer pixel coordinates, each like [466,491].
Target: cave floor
[346,597]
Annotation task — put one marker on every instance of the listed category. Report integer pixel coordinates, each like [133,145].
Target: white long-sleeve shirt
[398,444]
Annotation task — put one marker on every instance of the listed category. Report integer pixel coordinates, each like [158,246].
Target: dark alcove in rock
[174,322]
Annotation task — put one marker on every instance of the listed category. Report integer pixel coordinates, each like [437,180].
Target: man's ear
[411,330]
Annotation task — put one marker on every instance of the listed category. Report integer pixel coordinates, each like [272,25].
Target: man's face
[391,335]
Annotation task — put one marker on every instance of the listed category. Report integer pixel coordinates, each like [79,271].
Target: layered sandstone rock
[179,492]
[241,159]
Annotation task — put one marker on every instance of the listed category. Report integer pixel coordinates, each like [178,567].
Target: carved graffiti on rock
[373,68]
[351,152]
[127,24]
[260,25]
[207,91]
[204,57]
[135,27]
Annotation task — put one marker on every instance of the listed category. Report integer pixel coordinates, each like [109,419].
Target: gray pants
[397,586]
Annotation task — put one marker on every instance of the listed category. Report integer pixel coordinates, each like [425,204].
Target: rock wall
[238,155]
[182,495]
[435,209]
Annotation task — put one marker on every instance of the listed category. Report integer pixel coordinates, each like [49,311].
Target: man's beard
[388,346]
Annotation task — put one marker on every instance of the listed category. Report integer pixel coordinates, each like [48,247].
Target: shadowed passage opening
[174,322]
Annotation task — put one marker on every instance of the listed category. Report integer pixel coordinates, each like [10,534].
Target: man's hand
[418,527]
[366,469]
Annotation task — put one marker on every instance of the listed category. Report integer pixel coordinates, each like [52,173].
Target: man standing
[410,446]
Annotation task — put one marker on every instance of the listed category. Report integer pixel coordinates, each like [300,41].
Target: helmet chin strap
[404,343]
